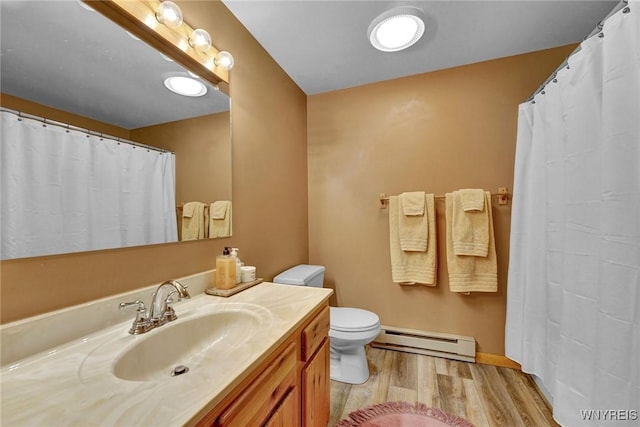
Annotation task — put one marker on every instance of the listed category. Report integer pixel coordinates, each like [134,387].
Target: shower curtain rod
[67,126]
[597,30]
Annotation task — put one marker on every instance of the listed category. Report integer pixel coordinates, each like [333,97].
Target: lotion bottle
[234,254]
[225,270]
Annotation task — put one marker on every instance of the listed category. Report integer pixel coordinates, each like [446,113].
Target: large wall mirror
[65,56]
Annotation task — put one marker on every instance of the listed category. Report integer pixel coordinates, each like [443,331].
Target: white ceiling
[323,45]
[47,56]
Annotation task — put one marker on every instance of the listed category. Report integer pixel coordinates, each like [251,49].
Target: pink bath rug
[402,414]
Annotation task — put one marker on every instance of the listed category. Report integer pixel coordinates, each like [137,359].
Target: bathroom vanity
[260,357]
[292,383]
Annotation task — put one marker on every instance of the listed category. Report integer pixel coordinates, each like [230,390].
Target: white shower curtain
[67,191]
[573,303]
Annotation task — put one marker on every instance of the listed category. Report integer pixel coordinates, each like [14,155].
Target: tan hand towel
[412,267]
[472,199]
[220,227]
[193,226]
[219,209]
[188,209]
[412,203]
[470,229]
[413,230]
[471,273]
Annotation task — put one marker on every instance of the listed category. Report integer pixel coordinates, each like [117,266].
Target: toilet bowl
[350,329]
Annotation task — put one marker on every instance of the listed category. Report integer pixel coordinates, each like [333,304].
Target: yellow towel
[413,229]
[188,209]
[220,219]
[472,199]
[408,268]
[471,273]
[413,203]
[219,209]
[193,226]
[470,228]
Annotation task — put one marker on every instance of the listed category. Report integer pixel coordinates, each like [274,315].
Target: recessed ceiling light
[185,86]
[396,29]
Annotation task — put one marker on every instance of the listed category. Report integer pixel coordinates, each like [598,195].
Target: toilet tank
[302,275]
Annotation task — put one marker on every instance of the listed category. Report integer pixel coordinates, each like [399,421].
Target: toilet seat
[347,319]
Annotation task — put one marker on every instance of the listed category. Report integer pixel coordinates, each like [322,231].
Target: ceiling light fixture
[224,60]
[185,86]
[396,29]
[200,40]
[169,14]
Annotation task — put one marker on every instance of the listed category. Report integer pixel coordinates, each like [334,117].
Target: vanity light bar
[139,18]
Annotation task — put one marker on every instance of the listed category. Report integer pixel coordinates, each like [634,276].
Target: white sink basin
[210,335]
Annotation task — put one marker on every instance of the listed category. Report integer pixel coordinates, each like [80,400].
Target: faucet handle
[141,324]
[170,313]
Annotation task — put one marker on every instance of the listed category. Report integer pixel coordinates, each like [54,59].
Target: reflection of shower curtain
[67,191]
[573,305]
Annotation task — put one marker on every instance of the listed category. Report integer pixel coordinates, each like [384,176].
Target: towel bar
[502,195]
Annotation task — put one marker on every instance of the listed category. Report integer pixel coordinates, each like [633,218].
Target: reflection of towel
[471,273]
[219,209]
[188,210]
[413,229]
[412,203]
[472,199]
[408,268]
[193,221]
[470,228]
[220,219]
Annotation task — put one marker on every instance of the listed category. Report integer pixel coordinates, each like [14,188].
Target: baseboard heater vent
[456,347]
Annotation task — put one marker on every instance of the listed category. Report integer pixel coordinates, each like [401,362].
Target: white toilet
[349,331]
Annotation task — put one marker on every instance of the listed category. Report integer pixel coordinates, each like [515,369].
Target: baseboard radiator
[456,347]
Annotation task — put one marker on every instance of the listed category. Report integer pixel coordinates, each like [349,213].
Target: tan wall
[269,193]
[436,132]
[203,155]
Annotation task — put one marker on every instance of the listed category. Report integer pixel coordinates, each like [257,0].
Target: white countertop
[73,385]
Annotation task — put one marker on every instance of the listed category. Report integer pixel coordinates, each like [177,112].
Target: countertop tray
[228,292]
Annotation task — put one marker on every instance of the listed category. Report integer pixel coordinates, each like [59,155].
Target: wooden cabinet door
[316,389]
[256,403]
[286,414]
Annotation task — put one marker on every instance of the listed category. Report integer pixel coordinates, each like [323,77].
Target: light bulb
[224,60]
[200,39]
[169,14]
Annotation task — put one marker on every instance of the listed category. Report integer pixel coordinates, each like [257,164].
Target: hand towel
[410,267]
[470,228]
[412,203]
[188,209]
[472,199]
[193,221]
[220,222]
[471,273]
[413,230]
[219,209]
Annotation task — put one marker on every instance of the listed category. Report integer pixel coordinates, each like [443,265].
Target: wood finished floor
[483,394]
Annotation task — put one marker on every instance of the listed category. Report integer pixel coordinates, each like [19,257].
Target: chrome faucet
[160,311]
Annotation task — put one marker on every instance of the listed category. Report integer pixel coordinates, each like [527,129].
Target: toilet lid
[352,319]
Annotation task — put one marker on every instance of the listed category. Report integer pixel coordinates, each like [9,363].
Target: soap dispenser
[234,254]
[225,270]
